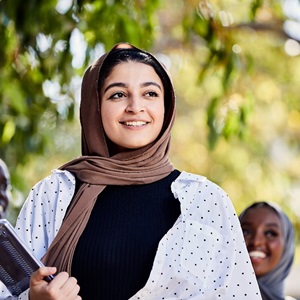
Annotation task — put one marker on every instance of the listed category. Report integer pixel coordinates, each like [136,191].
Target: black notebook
[17,262]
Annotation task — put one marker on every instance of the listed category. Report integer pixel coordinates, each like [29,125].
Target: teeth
[138,123]
[257,254]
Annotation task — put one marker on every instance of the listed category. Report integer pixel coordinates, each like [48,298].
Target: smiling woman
[120,222]
[269,236]
[132,106]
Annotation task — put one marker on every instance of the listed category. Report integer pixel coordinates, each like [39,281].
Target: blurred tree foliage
[36,57]
[235,67]
[236,72]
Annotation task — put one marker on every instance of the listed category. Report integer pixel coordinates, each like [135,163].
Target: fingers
[62,287]
[65,284]
[41,273]
[71,288]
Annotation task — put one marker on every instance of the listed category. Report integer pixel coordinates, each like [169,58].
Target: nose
[134,105]
[257,239]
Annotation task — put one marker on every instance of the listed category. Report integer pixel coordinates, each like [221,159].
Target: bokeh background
[235,66]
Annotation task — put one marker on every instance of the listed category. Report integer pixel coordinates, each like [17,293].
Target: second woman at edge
[120,219]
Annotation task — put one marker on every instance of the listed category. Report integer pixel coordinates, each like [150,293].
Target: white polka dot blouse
[203,256]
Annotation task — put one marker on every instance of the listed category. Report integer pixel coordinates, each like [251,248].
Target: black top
[115,253]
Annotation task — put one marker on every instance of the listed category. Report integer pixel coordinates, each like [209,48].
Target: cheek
[159,112]
[104,121]
[107,115]
[277,249]
[162,116]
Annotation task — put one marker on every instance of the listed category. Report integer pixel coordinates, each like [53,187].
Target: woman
[269,236]
[120,219]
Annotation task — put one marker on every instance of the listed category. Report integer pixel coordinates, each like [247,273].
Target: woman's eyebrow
[247,223]
[119,84]
[273,225]
[148,83]
[122,84]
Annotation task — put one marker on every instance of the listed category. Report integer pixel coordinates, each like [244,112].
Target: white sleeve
[43,211]
[42,214]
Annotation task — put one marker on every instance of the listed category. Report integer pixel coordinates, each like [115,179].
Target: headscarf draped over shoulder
[96,168]
[271,285]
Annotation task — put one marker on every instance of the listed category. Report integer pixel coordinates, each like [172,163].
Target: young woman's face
[264,238]
[132,105]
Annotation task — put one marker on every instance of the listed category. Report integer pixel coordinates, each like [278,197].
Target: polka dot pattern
[42,213]
[203,256]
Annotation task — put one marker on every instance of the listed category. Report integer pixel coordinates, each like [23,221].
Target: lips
[257,255]
[134,123]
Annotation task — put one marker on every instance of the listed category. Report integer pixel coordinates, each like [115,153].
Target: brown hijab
[96,168]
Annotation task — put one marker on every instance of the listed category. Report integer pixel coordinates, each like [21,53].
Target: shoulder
[57,178]
[189,182]
[44,209]
[205,201]
[54,191]
[186,176]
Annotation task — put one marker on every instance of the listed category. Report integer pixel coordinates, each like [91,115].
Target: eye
[117,95]
[152,94]
[246,231]
[271,233]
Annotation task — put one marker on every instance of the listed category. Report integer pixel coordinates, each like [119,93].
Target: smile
[257,254]
[135,123]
